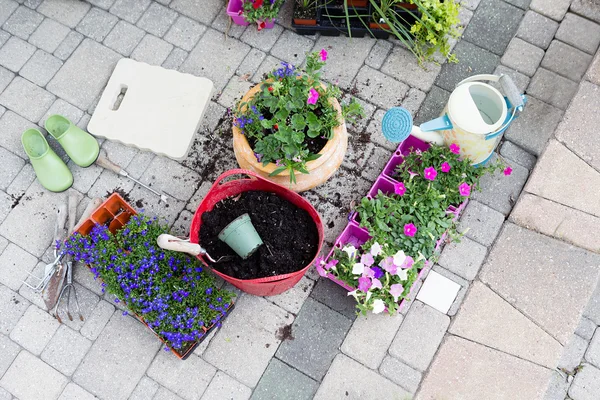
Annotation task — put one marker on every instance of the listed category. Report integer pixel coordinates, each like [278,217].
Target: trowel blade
[51,292]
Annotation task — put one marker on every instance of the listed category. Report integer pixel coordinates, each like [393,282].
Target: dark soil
[289,235]
[304,13]
[314,145]
[285,333]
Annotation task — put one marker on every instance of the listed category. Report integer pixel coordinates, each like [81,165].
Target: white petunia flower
[402,274]
[353,294]
[378,306]
[375,249]
[358,269]
[399,258]
[350,250]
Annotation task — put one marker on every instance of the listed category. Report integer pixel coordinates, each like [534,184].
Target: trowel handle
[104,162]
[61,220]
[73,200]
[170,242]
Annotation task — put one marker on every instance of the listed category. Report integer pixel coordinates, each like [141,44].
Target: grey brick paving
[282,381]
[587,9]
[579,32]
[97,24]
[555,9]
[433,105]
[537,29]
[27,369]
[118,358]
[23,22]
[533,128]
[374,164]
[104,4]
[175,59]
[6,9]
[464,258]
[81,89]
[146,389]
[20,184]
[157,19]
[524,4]
[400,373]
[165,394]
[221,23]
[292,47]
[411,73]
[13,125]
[552,88]
[493,25]
[65,350]
[11,165]
[34,330]
[224,386]
[5,395]
[514,153]
[152,50]
[419,336]
[573,353]
[557,388]
[15,263]
[566,60]
[318,332]
[185,33]
[335,297]
[124,38]
[41,68]
[262,40]
[586,384]
[378,54]
[186,379]
[76,392]
[9,352]
[522,56]
[65,109]
[473,60]
[234,91]
[68,45]
[68,12]
[586,328]
[203,11]
[15,53]
[129,11]
[593,352]
[96,321]
[26,99]
[379,89]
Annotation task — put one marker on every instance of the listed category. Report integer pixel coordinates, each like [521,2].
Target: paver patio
[525,322]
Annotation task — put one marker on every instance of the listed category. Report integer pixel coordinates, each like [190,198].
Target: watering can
[475,117]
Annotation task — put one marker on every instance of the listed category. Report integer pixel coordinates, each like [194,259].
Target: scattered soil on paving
[289,235]
[284,333]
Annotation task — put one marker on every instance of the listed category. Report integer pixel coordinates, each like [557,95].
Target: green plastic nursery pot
[241,236]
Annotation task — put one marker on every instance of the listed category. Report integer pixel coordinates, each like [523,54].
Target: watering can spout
[438,124]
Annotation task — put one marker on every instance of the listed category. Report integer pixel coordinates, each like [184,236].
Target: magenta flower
[430,173]
[399,188]
[323,54]
[410,230]
[364,284]
[507,171]
[388,264]
[408,263]
[455,148]
[464,189]
[319,265]
[367,259]
[313,96]
[396,290]
[331,264]
[445,167]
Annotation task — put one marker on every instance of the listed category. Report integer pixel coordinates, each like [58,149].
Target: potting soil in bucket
[290,237]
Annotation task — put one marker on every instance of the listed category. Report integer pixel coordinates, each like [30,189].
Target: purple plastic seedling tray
[233,10]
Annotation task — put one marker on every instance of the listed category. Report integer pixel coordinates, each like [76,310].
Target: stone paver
[129,11]
[400,373]
[75,392]
[124,38]
[26,99]
[574,130]
[379,89]
[573,353]
[97,24]
[280,381]
[12,306]
[586,328]
[15,53]
[554,180]
[41,68]
[579,32]
[34,330]
[203,11]
[419,336]
[561,222]
[247,341]
[152,50]
[48,35]
[187,379]
[66,11]
[8,353]
[464,258]
[411,72]
[537,29]
[593,352]
[15,263]
[552,88]
[555,9]
[81,89]
[467,370]
[293,299]
[537,275]
[223,386]
[117,359]
[157,19]
[341,382]
[566,60]
[512,152]
[68,46]
[318,332]
[488,319]
[23,22]
[335,297]
[146,389]
[29,378]
[65,350]
[185,33]
[521,81]
[522,56]
[370,336]
[586,384]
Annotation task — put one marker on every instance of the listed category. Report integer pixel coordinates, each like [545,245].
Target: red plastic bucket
[220,190]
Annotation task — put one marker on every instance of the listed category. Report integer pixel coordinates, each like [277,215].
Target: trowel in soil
[104,162]
[51,292]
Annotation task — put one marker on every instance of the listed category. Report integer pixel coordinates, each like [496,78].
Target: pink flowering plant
[260,11]
[168,289]
[292,117]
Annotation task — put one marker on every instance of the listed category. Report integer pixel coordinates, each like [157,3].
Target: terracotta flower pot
[320,169]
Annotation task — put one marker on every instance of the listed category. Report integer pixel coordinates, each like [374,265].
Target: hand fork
[66,290]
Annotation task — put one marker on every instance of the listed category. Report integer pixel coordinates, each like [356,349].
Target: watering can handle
[170,242]
[480,77]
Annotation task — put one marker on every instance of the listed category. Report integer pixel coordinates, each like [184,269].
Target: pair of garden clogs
[50,169]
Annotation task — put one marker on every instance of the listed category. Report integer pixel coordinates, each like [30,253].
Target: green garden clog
[49,168]
[81,147]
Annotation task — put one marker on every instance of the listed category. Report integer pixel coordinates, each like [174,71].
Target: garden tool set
[475,117]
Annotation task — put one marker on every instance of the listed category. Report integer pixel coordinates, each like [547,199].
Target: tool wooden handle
[89,209]
[73,200]
[170,242]
[61,220]
[104,162]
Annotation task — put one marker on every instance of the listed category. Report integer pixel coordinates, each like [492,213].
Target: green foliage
[259,10]
[281,118]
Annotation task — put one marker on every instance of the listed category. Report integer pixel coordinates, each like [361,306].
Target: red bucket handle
[237,171]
